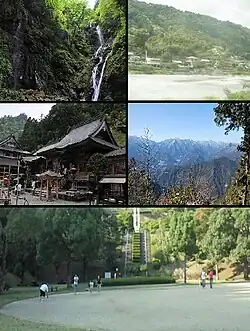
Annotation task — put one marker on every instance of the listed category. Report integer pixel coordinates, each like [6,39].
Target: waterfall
[99,68]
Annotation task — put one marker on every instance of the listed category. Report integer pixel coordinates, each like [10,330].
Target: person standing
[44,289]
[91,285]
[203,278]
[76,280]
[33,185]
[211,278]
[99,283]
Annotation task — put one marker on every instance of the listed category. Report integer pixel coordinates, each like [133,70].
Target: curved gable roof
[78,135]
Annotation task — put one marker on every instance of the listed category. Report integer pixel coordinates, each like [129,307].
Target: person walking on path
[76,280]
[91,285]
[99,283]
[203,278]
[44,289]
[211,278]
[33,187]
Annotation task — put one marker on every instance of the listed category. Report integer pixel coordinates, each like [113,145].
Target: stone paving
[164,308]
[35,200]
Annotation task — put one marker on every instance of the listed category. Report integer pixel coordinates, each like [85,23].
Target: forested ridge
[48,46]
[12,125]
[174,35]
[33,134]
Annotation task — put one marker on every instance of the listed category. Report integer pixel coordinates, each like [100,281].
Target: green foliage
[140,187]
[98,165]
[125,220]
[182,234]
[70,14]
[138,281]
[235,116]
[56,235]
[12,125]
[5,64]
[172,34]
[220,238]
[57,48]
[136,248]
[242,226]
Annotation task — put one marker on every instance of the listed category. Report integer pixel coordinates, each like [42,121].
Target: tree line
[35,237]
[184,234]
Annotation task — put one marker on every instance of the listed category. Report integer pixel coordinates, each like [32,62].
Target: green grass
[8,323]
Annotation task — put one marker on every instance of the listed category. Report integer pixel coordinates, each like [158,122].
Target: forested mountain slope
[216,174]
[12,125]
[173,34]
[48,49]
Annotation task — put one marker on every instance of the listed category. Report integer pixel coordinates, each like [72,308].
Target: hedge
[138,281]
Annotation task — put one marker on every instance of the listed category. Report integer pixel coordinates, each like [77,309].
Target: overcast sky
[236,11]
[34,110]
[91,3]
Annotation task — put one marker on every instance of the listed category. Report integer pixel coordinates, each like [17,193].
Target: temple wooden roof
[10,144]
[82,134]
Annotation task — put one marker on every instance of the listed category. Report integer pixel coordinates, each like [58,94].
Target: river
[182,87]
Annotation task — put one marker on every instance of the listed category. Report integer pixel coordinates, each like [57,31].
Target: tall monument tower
[136,219]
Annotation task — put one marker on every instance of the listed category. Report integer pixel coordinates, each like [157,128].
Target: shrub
[138,281]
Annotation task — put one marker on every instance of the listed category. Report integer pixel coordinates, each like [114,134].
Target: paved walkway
[191,308]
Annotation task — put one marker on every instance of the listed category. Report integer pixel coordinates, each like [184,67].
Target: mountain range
[174,161]
[171,33]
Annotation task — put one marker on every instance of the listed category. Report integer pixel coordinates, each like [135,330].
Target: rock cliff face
[39,57]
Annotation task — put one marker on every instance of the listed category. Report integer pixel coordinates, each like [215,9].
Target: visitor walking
[211,278]
[44,289]
[203,278]
[99,283]
[33,185]
[76,280]
[91,286]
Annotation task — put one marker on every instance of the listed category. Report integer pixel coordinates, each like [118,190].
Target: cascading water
[101,56]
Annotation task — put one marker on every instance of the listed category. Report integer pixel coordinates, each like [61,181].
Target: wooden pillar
[41,190]
[4,171]
[47,187]
[57,184]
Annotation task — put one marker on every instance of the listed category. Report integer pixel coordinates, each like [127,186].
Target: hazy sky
[236,11]
[34,110]
[177,120]
[91,3]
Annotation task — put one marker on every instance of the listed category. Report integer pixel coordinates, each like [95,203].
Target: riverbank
[188,87]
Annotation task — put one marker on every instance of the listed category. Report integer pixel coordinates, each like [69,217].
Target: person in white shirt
[76,280]
[33,185]
[44,289]
[203,278]
[91,285]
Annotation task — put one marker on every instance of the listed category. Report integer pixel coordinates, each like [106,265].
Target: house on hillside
[11,153]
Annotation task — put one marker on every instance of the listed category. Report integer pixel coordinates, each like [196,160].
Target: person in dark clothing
[211,278]
[99,283]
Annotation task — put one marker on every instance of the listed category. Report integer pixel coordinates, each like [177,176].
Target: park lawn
[8,323]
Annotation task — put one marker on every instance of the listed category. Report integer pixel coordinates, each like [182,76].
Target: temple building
[11,154]
[70,157]
[69,160]
[114,182]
